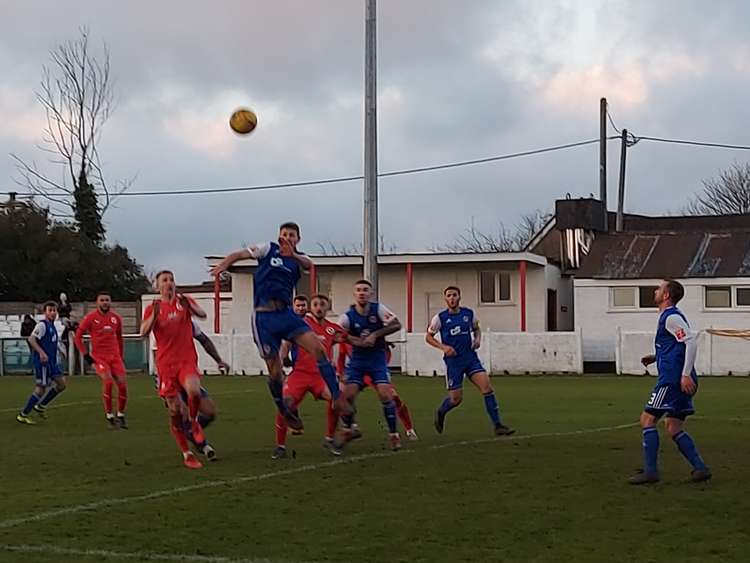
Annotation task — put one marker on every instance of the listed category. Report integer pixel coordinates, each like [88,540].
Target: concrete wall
[717,355]
[598,321]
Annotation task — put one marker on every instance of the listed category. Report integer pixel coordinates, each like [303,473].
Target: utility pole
[370,223]
[621,187]
[603,157]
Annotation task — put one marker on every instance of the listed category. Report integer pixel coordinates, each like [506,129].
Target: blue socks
[493,410]
[446,405]
[389,411]
[650,450]
[687,448]
[276,389]
[49,396]
[329,376]
[33,400]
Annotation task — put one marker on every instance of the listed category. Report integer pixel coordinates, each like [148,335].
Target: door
[551,310]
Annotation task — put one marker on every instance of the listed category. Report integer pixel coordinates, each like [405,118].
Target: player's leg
[190,381]
[310,343]
[59,383]
[105,376]
[682,407]
[294,393]
[176,417]
[40,385]
[120,377]
[482,381]
[319,390]
[384,390]
[207,411]
[454,381]
[649,421]
[402,411]
[347,433]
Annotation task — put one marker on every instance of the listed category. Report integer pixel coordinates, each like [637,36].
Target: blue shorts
[458,368]
[669,400]
[271,327]
[356,374]
[45,374]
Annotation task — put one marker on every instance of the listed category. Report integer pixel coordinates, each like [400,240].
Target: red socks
[403,413]
[176,428]
[107,395]
[122,396]
[281,430]
[332,420]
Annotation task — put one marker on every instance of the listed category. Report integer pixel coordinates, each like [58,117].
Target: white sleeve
[344,322]
[39,330]
[259,251]
[434,326]
[678,328]
[385,314]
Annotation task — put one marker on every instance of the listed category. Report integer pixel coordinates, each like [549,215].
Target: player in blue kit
[366,325]
[677,382]
[48,377]
[460,337]
[280,266]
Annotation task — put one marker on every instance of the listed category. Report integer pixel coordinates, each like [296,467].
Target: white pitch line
[10,523]
[138,555]
[55,406]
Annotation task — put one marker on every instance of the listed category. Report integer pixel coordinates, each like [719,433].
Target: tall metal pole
[621,187]
[370,223]
[603,156]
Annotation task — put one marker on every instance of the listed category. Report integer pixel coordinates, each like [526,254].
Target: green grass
[531,498]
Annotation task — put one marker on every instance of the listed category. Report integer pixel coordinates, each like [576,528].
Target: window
[623,297]
[718,296]
[494,287]
[743,296]
[325,285]
[646,297]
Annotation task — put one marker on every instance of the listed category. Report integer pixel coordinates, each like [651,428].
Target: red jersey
[173,331]
[325,331]
[106,334]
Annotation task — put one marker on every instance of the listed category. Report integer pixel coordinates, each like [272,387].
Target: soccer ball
[243,121]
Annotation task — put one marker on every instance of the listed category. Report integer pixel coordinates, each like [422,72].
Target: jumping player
[280,265]
[460,337]
[170,319]
[48,377]
[105,328]
[305,377]
[402,409]
[367,324]
[677,382]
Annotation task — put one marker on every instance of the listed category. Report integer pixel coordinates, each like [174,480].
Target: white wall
[598,322]
[717,355]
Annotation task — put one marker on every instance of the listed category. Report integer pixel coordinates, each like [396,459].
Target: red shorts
[172,377]
[109,365]
[298,383]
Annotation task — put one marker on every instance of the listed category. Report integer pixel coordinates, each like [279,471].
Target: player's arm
[345,336]
[678,328]
[36,335]
[192,305]
[210,348]
[149,318]
[120,339]
[391,324]
[429,337]
[477,330]
[284,349]
[256,251]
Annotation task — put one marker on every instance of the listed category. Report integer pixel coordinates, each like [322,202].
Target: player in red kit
[105,328]
[402,409]
[170,319]
[305,376]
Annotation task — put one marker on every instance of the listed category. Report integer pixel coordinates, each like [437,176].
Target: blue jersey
[276,276]
[670,352]
[376,317]
[456,330]
[47,341]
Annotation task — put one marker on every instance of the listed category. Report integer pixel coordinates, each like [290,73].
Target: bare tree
[76,93]
[329,248]
[726,195]
[503,239]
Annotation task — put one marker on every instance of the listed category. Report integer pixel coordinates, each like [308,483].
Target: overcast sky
[457,80]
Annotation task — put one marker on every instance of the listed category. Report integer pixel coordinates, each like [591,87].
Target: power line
[353,178]
[694,143]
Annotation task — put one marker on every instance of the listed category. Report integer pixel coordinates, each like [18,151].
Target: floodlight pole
[370,223]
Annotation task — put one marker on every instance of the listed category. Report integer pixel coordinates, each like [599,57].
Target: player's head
[319,306]
[452,296]
[164,282]
[63,298]
[290,232]
[50,311]
[362,292]
[669,292]
[300,305]
[103,301]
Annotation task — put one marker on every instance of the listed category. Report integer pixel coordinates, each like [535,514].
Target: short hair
[52,304]
[452,288]
[100,293]
[321,296]
[363,281]
[301,297]
[291,225]
[160,272]
[675,290]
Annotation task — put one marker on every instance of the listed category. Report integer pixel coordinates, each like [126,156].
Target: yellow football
[243,121]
